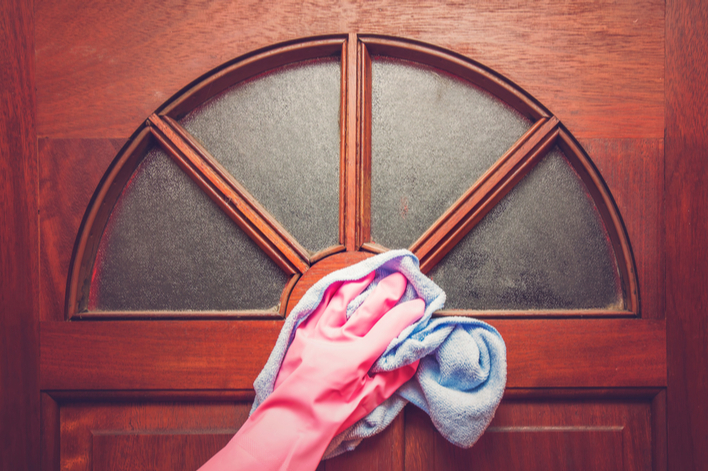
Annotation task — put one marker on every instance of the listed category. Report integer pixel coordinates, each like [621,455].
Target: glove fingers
[305,331]
[396,320]
[384,297]
[336,313]
[376,390]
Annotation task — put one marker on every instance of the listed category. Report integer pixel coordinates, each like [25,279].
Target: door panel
[146,435]
[541,434]
[612,100]
[621,75]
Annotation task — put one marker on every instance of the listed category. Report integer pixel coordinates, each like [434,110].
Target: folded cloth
[462,373]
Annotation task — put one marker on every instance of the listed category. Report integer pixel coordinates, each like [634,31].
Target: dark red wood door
[585,391]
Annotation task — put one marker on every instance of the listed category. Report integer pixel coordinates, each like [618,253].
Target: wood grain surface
[542,434]
[152,436]
[324,267]
[69,171]
[19,240]
[633,170]
[687,232]
[382,452]
[598,66]
[114,355]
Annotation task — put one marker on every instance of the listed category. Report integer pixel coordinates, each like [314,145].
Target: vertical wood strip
[349,169]
[364,150]
[686,185]
[49,433]
[343,142]
[19,240]
[658,431]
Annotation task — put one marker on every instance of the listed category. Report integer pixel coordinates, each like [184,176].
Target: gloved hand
[324,386]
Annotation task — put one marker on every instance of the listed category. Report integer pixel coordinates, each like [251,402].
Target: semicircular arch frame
[303,268]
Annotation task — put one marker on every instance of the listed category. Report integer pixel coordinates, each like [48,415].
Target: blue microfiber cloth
[462,373]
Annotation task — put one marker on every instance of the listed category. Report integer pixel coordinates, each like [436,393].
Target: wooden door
[585,390]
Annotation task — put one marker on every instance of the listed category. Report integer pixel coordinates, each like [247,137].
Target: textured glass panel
[432,137]
[167,246]
[279,136]
[543,246]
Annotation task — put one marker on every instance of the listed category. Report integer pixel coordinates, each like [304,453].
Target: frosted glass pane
[432,137]
[167,246]
[542,246]
[279,136]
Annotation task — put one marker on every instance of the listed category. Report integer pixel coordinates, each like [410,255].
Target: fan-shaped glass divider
[168,247]
[215,206]
[278,135]
[432,136]
[543,246]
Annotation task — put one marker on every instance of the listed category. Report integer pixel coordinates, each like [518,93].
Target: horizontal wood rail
[230,196]
[150,355]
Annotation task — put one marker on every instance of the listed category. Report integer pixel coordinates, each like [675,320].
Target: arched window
[286,164]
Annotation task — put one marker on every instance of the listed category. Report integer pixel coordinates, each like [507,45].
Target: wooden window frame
[162,128]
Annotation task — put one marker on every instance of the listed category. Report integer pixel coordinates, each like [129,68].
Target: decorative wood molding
[344,144]
[373,247]
[267,314]
[582,393]
[363,145]
[64,396]
[356,161]
[535,314]
[324,267]
[49,432]
[230,196]
[326,253]
[355,175]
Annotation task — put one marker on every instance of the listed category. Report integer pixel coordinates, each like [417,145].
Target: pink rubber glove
[324,386]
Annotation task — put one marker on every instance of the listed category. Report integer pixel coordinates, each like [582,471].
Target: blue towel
[462,373]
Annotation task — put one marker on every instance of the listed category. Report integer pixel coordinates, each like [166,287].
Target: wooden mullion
[343,144]
[231,197]
[348,191]
[364,145]
[456,222]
